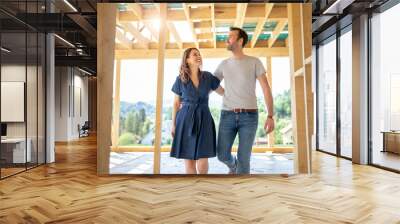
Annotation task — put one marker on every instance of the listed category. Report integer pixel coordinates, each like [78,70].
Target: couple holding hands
[193,129]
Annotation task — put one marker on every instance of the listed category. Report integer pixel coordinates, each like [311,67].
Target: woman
[193,129]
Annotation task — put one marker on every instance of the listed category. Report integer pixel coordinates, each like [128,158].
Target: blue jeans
[244,124]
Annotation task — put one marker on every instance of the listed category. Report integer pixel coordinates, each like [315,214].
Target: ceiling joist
[240,14]
[207,25]
[186,10]
[261,22]
[221,14]
[278,29]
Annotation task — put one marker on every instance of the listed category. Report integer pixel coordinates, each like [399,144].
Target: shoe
[232,170]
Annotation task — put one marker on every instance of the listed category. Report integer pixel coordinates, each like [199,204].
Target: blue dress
[195,135]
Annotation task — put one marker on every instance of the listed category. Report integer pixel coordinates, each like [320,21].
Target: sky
[139,78]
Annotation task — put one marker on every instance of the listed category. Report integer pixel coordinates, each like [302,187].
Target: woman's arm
[175,107]
[220,90]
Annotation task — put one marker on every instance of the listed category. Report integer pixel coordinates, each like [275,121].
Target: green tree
[129,122]
[122,124]
[136,124]
[146,127]
[126,139]
[142,115]
[282,105]
[282,114]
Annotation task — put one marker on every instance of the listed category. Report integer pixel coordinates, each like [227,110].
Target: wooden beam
[277,13]
[299,72]
[121,39]
[213,27]
[309,102]
[299,132]
[200,13]
[300,49]
[129,27]
[306,13]
[261,23]
[174,32]
[199,4]
[299,107]
[106,25]
[308,60]
[160,87]
[221,14]
[278,29]
[204,36]
[136,9]
[116,105]
[279,44]
[271,136]
[186,10]
[152,30]
[204,24]
[307,30]
[206,53]
[252,12]
[240,14]
[255,149]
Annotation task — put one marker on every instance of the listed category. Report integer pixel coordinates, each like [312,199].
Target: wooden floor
[70,192]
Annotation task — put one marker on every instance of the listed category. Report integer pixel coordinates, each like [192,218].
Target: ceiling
[73,22]
[201,25]
[332,15]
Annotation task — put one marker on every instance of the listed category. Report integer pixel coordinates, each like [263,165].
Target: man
[239,113]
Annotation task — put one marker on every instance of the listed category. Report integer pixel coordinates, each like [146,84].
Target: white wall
[61,103]
[33,126]
[71,93]
[16,73]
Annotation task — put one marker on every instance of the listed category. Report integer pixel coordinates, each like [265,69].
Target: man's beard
[229,47]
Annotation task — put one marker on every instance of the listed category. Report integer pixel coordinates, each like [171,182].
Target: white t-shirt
[240,77]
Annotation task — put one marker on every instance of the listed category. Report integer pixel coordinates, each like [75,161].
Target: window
[346,94]
[385,89]
[327,96]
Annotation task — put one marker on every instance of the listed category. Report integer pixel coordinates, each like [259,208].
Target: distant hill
[126,107]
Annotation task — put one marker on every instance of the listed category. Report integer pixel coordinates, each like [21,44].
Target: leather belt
[241,110]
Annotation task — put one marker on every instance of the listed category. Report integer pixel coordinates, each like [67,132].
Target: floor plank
[69,191]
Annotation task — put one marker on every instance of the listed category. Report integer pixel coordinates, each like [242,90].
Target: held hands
[220,90]
[269,125]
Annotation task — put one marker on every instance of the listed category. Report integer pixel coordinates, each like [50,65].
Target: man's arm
[269,102]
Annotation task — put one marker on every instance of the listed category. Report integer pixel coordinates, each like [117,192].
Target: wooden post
[106,25]
[306,13]
[300,83]
[160,86]
[271,136]
[116,105]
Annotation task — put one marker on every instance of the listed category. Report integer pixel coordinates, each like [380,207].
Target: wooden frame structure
[137,36]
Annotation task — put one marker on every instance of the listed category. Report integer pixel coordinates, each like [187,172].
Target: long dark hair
[184,71]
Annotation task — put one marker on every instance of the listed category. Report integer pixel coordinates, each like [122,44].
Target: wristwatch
[271,117]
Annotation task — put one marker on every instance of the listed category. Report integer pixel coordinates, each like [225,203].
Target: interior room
[86,107]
